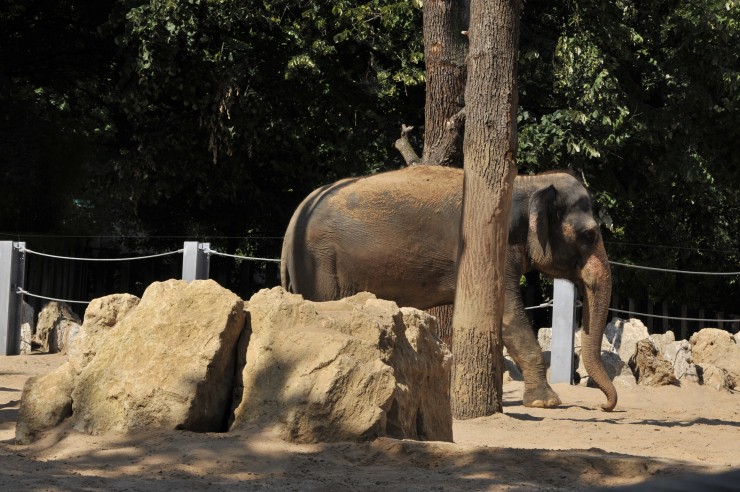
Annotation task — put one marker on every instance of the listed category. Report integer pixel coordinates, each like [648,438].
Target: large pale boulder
[352,369]
[45,402]
[623,336]
[649,367]
[101,315]
[712,346]
[55,320]
[169,363]
[47,399]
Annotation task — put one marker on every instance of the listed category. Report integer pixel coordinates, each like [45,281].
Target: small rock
[46,401]
[716,377]
[26,337]
[718,348]
[649,367]
[544,338]
[626,381]
[55,321]
[679,354]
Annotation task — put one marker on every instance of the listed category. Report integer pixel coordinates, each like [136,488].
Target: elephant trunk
[597,289]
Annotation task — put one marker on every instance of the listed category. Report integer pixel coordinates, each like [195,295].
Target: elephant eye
[586,237]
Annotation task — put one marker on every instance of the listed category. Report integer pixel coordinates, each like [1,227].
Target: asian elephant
[396,235]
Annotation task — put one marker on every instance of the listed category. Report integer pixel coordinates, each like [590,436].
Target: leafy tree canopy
[206,117]
[641,99]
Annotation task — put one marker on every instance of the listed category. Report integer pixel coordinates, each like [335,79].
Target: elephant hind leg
[326,280]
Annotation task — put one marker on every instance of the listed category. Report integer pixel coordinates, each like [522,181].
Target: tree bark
[403,145]
[489,149]
[445,49]
[443,314]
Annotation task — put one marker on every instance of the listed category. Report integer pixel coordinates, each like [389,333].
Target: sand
[653,434]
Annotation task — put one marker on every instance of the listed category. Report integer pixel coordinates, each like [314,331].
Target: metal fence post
[563,325]
[12,275]
[195,261]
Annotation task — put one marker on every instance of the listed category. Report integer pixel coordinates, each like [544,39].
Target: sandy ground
[655,434]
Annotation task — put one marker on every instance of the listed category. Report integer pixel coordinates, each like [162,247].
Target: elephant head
[564,241]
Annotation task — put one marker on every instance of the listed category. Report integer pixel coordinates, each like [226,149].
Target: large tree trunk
[445,48]
[490,150]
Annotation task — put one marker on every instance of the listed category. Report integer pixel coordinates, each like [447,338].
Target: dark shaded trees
[112,113]
[203,118]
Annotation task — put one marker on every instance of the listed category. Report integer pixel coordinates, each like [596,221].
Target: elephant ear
[540,204]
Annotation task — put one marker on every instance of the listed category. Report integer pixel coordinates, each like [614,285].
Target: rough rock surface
[718,348]
[54,322]
[26,336]
[623,336]
[716,377]
[101,315]
[169,363]
[662,341]
[352,369]
[679,354]
[45,402]
[28,326]
[649,367]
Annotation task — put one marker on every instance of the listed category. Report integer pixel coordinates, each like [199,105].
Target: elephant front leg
[522,345]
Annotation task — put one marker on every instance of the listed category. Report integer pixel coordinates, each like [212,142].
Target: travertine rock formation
[352,369]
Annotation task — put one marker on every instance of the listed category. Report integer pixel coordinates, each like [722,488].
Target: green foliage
[643,103]
[216,117]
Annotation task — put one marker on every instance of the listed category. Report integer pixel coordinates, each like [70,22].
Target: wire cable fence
[208,251]
[675,318]
[668,270]
[74,258]
[36,296]
[23,249]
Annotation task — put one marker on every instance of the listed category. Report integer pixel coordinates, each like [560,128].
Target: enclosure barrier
[12,274]
[196,266]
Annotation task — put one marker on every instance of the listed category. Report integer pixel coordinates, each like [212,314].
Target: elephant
[396,235]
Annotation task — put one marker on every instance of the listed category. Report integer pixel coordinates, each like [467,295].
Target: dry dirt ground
[687,435]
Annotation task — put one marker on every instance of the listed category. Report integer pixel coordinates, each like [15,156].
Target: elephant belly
[411,274]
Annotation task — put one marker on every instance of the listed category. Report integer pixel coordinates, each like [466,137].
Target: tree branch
[404,147]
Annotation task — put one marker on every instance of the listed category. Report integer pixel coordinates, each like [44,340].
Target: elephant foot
[541,397]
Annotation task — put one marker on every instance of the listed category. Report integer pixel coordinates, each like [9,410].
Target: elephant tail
[284,270]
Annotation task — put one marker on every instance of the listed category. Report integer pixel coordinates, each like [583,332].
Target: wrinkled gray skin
[396,235]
